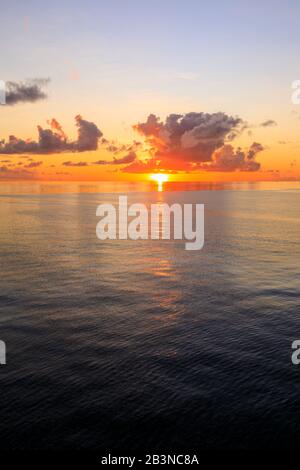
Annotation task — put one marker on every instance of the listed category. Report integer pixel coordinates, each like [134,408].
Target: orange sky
[279,159]
[116,80]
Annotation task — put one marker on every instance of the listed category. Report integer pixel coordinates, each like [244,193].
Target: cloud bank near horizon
[183,142]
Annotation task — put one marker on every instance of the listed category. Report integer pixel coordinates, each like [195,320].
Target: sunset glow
[160,179]
[150,221]
[75,121]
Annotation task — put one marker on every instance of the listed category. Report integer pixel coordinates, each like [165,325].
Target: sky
[198,90]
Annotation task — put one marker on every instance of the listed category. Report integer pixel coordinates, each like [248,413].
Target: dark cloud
[88,135]
[54,140]
[192,137]
[228,159]
[32,164]
[183,142]
[116,148]
[25,92]
[142,166]
[254,150]
[129,158]
[14,173]
[18,170]
[269,123]
[75,163]
[194,141]
[101,162]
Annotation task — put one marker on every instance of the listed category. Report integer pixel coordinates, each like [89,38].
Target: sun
[160,179]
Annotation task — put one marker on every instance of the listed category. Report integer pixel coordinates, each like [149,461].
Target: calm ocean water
[127,345]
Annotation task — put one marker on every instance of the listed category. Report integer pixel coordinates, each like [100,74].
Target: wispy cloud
[33,165]
[79,164]
[268,123]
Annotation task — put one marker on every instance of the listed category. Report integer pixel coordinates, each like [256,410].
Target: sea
[134,344]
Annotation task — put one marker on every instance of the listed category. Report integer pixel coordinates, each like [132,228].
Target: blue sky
[153,45]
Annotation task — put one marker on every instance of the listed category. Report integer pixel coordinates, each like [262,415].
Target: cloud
[101,162]
[228,159]
[75,163]
[192,137]
[182,142]
[54,140]
[32,164]
[113,148]
[14,173]
[140,166]
[129,158]
[18,170]
[25,92]
[268,123]
[116,148]
[153,165]
[88,135]
[193,141]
